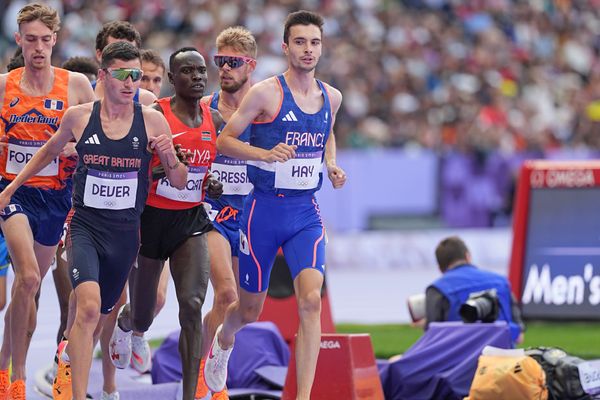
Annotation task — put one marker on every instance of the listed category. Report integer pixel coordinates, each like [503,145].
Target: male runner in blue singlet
[292,116]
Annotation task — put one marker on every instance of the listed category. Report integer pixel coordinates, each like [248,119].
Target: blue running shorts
[227,223]
[268,223]
[46,211]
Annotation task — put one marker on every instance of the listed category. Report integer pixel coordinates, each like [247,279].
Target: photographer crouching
[466,293]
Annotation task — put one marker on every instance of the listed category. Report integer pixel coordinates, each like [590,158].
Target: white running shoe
[113,396]
[55,365]
[141,355]
[120,345]
[215,366]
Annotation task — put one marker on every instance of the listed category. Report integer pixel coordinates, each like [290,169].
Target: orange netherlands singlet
[198,141]
[24,119]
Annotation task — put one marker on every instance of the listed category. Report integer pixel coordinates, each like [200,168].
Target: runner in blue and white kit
[292,116]
[236,51]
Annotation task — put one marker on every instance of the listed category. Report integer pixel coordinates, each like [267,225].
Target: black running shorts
[163,231]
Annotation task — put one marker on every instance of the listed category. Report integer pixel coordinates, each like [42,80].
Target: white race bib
[21,151]
[233,175]
[110,190]
[299,173]
[192,193]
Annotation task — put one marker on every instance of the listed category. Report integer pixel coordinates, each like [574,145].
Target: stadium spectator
[486,83]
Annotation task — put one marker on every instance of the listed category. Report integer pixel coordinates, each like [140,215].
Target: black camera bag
[562,373]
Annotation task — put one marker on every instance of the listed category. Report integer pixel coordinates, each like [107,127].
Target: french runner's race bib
[299,173]
[110,190]
[232,174]
[21,151]
[192,193]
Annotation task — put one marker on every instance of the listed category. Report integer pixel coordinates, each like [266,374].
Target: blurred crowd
[439,74]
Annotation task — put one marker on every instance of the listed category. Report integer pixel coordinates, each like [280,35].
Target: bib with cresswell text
[20,152]
[233,175]
[192,192]
[110,190]
[299,173]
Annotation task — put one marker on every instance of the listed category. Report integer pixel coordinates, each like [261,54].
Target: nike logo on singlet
[179,134]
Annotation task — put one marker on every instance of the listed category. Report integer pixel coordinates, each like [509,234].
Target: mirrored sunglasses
[123,73]
[233,61]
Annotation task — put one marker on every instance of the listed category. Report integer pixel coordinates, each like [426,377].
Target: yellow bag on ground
[503,378]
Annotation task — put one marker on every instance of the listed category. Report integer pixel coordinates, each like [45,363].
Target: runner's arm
[254,104]
[160,140]
[147,98]
[3,138]
[81,89]
[44,155]
[336,175]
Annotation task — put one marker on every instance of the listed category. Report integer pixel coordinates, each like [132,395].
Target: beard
[233,87]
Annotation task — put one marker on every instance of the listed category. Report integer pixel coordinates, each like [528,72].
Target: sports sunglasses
[233,61]
[123,73]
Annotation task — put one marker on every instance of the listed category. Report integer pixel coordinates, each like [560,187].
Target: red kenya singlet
[198,141]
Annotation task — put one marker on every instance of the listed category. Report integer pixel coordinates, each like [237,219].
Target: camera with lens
[484,306]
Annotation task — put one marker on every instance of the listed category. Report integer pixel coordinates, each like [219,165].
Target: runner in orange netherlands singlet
[33,100]
[24,120]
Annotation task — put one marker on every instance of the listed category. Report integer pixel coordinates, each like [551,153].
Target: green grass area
[581,339]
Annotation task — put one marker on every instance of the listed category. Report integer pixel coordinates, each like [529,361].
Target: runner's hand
[162,144]
[282,152]
[183,157]
[213,187]
[5,198]
[67,151]
[336,176]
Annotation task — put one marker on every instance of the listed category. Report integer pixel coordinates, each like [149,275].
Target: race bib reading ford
[110,190]
[192,192]
[299,173]
[21,151]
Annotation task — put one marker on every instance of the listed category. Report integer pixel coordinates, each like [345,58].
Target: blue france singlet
[301,175]
[231,172]
[136,96]
[113,177]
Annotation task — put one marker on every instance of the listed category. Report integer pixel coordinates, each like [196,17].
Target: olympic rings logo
[110,203]
[303,183]
[182,196]
[235,189]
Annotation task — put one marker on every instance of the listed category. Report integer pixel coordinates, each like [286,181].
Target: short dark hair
[122,30]
[153,57]
[17,60]
[119,51]
[302,18]
[85,65]
[449,251]
[181,50]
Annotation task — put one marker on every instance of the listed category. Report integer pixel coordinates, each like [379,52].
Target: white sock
[64,357]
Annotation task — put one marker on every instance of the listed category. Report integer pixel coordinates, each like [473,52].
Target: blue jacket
[459,282]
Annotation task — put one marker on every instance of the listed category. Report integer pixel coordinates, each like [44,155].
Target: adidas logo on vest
[289,117]
[93,140]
